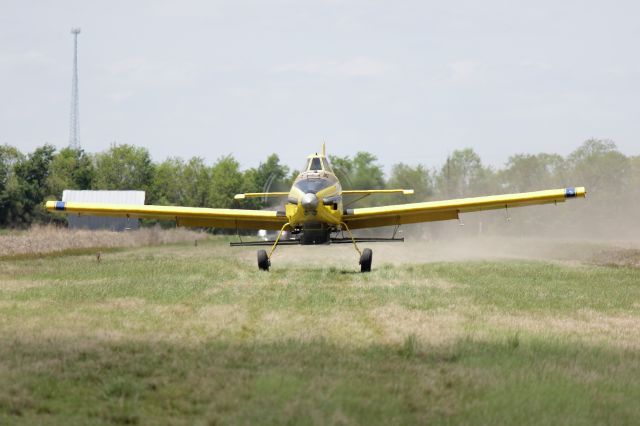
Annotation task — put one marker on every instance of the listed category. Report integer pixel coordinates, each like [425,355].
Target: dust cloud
[600,230]
[603,228]
[415,251]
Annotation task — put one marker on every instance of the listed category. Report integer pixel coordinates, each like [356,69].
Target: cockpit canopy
[313,185]
[316,163]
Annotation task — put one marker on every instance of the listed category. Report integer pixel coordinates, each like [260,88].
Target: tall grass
[50,239]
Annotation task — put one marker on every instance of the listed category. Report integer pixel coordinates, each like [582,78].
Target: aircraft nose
[309,201]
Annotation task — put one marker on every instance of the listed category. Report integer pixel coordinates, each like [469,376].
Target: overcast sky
[409,81]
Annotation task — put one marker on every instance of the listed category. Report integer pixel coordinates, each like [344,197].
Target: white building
[112,197]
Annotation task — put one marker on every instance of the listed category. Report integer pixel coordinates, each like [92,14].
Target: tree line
[27,180]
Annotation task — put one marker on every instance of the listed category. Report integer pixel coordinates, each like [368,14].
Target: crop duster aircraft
[316,212]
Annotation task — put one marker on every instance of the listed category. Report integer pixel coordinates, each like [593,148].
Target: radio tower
[74,120]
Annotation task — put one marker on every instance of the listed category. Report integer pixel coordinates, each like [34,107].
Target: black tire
[365,260]
[263,260]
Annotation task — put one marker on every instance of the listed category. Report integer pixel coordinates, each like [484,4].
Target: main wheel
[263,260]
[365,260]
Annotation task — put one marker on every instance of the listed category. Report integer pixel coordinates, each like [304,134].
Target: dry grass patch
[20,285]
[431,327]
[40,240]
[589,327]
[407,279]
[344,328]
[125,303]
[218,321]
[627,257]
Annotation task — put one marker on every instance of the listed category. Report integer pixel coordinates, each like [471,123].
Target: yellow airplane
[315,212]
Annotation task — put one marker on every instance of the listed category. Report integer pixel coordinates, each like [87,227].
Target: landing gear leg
[365,260]
[264,260]
[366,255]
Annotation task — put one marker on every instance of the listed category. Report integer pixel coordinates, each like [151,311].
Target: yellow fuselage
[328,192]
[314,204]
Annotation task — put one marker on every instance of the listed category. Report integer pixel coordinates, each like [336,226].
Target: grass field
[184,334]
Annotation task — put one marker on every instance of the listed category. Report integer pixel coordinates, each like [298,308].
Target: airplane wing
[400,214]
[184,216]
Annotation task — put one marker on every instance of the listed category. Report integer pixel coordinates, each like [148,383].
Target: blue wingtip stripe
[570,192]
[59,205]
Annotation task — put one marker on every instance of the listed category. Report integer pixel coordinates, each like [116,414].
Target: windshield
[315,164]
[312,185]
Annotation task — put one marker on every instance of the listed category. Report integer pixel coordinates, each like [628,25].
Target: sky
[409,81]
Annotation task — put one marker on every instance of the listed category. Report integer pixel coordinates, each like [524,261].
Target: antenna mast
[74,119]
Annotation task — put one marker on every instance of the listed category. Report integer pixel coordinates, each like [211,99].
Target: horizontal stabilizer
[259,195]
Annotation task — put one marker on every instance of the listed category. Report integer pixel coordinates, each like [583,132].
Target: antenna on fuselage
[324,151]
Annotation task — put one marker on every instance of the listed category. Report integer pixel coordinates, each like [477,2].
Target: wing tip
[55,205]
[573,192]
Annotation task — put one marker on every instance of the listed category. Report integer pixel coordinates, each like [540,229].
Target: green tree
[84,172]
[361,172]
[607,175]
[70,169]
[270,176]
[417,178]
[343,169]
[463,175]
[526,172]
[10,191]
[9,157]
[32,174]
[195,181]
[168,186]
[226,182]
[599,165]
[124,167]
[367,174]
